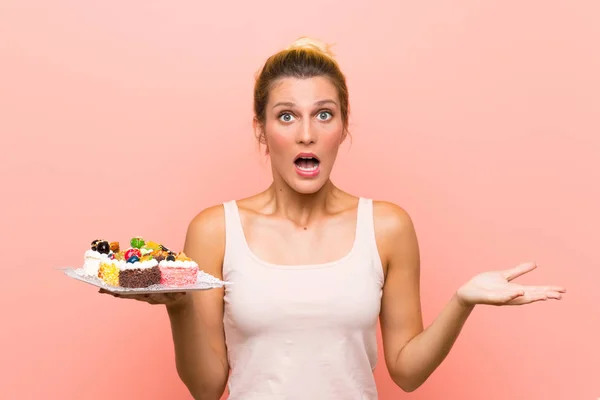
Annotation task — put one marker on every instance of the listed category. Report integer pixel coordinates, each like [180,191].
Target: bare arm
[412,353]
[197,320]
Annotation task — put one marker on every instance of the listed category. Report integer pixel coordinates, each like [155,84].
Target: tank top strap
[234,233]
[365,236]
[364,221]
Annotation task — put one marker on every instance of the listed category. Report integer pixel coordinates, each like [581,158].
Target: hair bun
[305,42]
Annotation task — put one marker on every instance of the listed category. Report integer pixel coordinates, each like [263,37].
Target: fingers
[175,296]
[519,295]
[139,297]
[162,298]
[150,298]
[506,296]
[558,289]
[146,298]
[103,291]
[534,296]
[519,270]
[554,295]
[550,292]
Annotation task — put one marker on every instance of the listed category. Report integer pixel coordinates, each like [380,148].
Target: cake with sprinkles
[178,271]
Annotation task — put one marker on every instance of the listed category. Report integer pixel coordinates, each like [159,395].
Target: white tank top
[302,332]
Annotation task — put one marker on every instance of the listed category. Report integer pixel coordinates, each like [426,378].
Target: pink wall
[126,118]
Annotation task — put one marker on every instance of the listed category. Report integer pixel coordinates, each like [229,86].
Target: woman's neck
[300,208]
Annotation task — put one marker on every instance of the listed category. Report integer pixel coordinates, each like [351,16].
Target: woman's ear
[259,133]
[345,134]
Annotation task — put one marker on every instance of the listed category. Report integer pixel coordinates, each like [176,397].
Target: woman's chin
[307,186]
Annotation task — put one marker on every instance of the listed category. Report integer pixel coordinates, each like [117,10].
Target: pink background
[127,118]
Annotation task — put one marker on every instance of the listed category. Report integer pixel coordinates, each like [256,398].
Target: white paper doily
[204,282]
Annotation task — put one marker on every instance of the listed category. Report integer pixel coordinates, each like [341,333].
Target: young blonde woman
[314,267]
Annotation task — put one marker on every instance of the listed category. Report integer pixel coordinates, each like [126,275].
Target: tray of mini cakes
[143,267]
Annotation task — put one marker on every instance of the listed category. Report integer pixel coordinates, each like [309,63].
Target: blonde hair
[306,42]
[304,58]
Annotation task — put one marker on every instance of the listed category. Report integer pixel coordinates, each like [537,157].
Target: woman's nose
[306,134]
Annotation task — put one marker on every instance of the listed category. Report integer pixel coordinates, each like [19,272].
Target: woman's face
[303,131]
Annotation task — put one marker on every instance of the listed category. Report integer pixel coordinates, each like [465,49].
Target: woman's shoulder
[391,220]
[394,233]
[207,228]
[211,217]
[384,209]
[205,239]
[252,203]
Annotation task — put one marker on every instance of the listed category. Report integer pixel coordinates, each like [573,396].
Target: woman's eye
[286,117]
[324,115]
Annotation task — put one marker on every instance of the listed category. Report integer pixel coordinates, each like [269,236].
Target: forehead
[303,91]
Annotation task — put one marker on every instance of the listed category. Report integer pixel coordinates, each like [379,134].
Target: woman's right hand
[167,299]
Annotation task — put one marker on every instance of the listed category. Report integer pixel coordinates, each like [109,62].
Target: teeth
[309,168]
[307,163]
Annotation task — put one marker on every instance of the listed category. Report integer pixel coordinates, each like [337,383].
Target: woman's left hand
[496,288]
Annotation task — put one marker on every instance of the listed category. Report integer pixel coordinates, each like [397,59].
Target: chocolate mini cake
[139,274]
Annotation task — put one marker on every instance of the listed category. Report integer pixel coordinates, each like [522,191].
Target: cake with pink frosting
[178,271]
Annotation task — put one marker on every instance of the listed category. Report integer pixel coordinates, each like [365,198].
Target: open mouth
[307,163]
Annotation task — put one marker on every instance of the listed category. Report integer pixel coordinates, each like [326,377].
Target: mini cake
[91,262]
[178,270]
[98,252]
[109,271]
[139,274]
[140,269]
